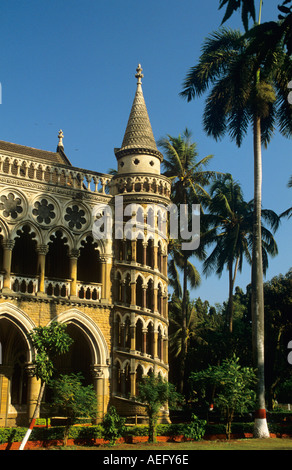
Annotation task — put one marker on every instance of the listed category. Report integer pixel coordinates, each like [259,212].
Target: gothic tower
[141,194]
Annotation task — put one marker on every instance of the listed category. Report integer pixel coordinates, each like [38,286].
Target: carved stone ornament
[75,217]
[11,205]
[43,211]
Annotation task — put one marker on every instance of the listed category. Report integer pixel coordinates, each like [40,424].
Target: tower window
[136,161]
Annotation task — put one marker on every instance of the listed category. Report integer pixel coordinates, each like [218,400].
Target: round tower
[139,279]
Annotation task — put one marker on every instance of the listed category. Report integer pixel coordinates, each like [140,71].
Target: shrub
[196,429]
[113,426]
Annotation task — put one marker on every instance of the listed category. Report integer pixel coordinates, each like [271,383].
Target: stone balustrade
[60,175]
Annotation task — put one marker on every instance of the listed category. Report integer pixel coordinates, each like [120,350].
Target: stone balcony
[54,288]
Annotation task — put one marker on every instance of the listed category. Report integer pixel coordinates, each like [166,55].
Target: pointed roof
[138,136]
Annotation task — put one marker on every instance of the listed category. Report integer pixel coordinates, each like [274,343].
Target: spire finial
[139,75]
[60,137]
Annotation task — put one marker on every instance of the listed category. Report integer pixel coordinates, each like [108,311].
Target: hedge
[96,431]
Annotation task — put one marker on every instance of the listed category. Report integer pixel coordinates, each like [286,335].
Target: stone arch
[65,234]
[22,322]
[24,253]
[20,226]
[96,340]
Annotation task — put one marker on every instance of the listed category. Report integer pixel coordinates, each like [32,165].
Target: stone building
[110,291]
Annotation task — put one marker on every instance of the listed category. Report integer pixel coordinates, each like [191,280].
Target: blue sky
[70,65]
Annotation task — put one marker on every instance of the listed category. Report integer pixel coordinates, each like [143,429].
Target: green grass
[236,444]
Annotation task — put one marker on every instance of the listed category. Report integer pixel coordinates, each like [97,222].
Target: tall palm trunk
[184,318]
[257,303]
[184,328]
[232,277]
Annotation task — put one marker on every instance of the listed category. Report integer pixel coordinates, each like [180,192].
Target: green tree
[73,399]
[49,342]
[188,177]
[154,392]
[267,35]
[288,212]
[230,220]
[243,92]
[113,425]
[233,384]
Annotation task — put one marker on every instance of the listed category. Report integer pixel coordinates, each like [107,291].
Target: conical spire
[138,134]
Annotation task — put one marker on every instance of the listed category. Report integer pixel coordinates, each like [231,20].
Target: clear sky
[70,65]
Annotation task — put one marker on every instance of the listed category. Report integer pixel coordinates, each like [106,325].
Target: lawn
[234,444]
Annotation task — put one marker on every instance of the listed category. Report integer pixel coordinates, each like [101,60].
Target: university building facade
[111,292]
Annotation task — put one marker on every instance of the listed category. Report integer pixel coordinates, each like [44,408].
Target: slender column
[155,344]
[103,278]
[133,333]
[5,377]
[7,256]
[100,384]
[134,250]
[144,333]
[155,257]
[144,296]
[106,264]
[34,386]
[133,383]
[42,251]
[144,253]
[155,299]
[133,293]
[73,272]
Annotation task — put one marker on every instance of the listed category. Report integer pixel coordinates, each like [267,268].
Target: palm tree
[288,212]
[231,227]
[188,179]
[245,91]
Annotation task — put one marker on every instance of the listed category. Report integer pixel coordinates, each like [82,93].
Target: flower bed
[52,436]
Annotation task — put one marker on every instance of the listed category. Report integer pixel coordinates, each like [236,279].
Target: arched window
[88,264]
[57,259]
[139,291]
[139,336]
[24,255]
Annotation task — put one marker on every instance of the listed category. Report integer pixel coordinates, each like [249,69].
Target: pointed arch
[98,345]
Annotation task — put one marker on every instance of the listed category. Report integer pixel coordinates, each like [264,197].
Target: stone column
[133,383]
[134,250]
[144,296]
[155,299]
[144,253]
[33,389]
[155,343]
[133,334]
[5,377]
[155,257]
[7,256]
[73,272]
[99,384]
[106,264]
[42,250]
[133,293]
[144,344]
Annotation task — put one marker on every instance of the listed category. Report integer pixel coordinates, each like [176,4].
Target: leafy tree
[73,399]
[49,342]
[154,392]
[245,91]
[267,35]
[114,425]
[231,220]
[188,178]
[233,385]
[287,213]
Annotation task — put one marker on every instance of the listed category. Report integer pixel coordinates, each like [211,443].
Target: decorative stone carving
[75,217]
[11,205]
[44,211]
